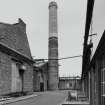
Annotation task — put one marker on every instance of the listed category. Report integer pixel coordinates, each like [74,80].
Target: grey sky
[98,23]
[71,25]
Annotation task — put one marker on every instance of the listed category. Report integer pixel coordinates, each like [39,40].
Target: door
[21,72]
[41,86]
[17,79]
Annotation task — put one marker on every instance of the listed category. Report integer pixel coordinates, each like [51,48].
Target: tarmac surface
[40,98]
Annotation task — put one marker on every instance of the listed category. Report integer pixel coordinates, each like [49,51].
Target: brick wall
[28,79]
[5,74]
[36,81]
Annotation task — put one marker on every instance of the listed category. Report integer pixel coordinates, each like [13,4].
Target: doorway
[16,78]
[41,86]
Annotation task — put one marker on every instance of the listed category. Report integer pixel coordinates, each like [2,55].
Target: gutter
[10,51]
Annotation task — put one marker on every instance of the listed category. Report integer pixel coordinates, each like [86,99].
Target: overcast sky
[71,26]
[98,23]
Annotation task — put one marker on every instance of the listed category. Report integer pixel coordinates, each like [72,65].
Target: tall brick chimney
[53,47]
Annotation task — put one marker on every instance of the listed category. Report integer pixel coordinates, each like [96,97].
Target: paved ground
[76,103]
[45,98]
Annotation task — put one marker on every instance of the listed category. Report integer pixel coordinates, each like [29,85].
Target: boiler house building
[16,70]
[93,67]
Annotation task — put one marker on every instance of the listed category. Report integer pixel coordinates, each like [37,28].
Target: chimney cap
[52,3]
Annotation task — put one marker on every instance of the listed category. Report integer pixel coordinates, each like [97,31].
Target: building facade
[40,76]
[16,70]
[69,83]
[93,72]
